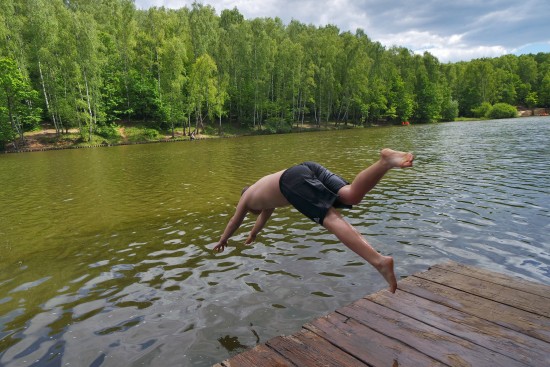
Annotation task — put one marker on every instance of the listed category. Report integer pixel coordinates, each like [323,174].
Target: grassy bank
[127,134]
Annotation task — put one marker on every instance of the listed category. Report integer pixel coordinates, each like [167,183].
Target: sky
[451,30]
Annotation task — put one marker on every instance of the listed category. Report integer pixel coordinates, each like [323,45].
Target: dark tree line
[87,64]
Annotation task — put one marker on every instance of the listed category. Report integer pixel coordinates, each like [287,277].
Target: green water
[106,253]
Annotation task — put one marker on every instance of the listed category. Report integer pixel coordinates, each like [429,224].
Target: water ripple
[136,282]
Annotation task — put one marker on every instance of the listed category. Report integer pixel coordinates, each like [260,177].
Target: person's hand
[251,238]
[220,246]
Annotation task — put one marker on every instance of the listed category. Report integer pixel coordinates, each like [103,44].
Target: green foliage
[109,132]
[18,111]
[210,130]
[531,100]
[502,111]
[94,63]
[277,126]
[7,133]
[138,134]
[150,134]
[449,110]
[482,110]
[144,100]
[496,111]
[203,82]
[428,105]
[544,95]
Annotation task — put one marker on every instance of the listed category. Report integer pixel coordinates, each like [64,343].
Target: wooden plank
[260,355]
[513,344]
[307,349]
[538,289]
[433,342]
[525,301]
[366,344]
[522,321]
[451,315]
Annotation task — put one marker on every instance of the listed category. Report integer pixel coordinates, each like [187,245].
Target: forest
[92,64]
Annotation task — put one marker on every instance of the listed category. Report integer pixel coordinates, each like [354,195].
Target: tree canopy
[88,64]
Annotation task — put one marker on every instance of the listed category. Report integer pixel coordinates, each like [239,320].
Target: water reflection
[107,259]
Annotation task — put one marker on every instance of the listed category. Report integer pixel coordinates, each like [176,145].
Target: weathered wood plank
[497,278]
[487,334]
[433,342]
[522,321]
[525,301]
[260,355]
[451,315]
[307,349]
[367,345]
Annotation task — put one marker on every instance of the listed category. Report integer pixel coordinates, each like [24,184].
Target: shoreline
[46,139]
[74,146]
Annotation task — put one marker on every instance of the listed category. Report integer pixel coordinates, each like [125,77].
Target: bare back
[265,193]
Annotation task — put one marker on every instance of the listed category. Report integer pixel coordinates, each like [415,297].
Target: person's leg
[368,178]
[350,237]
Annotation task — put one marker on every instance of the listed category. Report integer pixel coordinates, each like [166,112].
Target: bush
[502,111]
[140,134]
[210,129]
[275,125]
[482,110]
[449,111]
[7,134]
[109,132]
[150,134]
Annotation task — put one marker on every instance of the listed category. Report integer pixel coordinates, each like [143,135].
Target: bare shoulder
[266,182]
[265,193]
[272,178]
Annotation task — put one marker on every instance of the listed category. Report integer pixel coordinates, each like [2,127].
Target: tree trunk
[47,99]
[90,128]
[12,121]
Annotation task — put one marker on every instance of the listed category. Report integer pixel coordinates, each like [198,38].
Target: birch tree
[203,89]
[18,112]
[173,58]
[204,29]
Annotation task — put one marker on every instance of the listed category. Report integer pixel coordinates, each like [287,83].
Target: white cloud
[450,30]
[445,54]
[450,48]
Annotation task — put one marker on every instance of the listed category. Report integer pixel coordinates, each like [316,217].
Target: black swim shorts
[312,189]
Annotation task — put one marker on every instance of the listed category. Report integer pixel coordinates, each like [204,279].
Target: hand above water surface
[251,238]
[220,246]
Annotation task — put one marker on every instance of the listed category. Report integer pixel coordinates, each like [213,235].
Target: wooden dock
[450,315]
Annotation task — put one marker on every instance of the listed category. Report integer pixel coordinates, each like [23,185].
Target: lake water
[105,253]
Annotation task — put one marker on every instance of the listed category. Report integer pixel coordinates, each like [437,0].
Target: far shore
[46,138]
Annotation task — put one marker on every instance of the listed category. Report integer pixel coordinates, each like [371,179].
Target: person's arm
[260,223]
[233,224]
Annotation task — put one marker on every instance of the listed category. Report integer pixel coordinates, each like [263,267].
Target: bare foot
[386,270]
[396,159]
